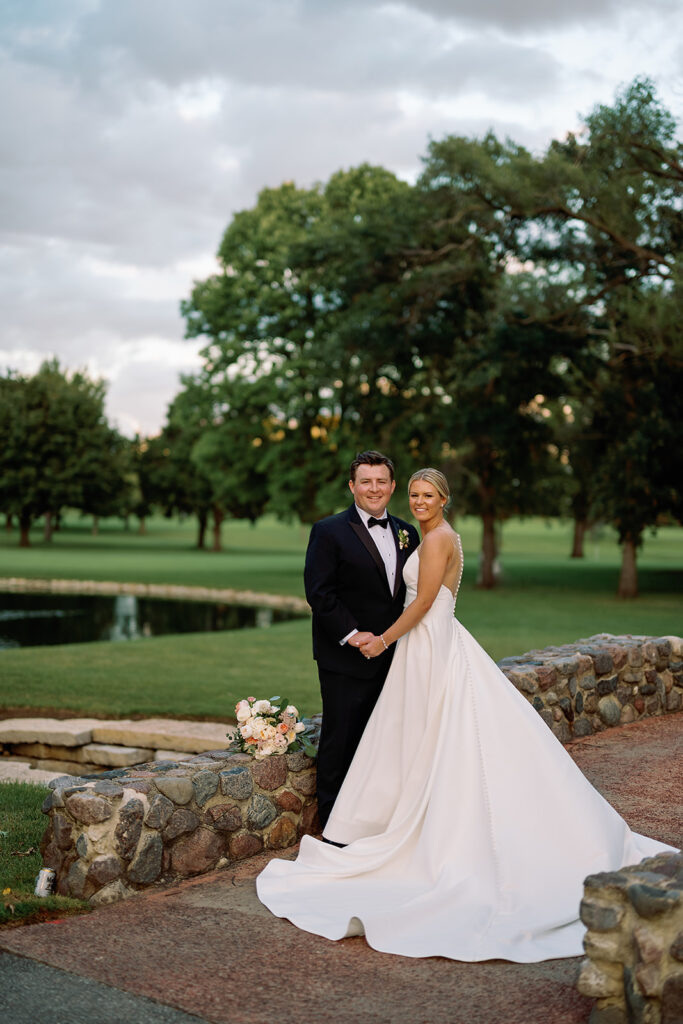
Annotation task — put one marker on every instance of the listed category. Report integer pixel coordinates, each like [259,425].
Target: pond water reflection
[31,620]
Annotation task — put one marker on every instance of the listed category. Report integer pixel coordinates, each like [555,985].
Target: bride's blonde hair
[434,477]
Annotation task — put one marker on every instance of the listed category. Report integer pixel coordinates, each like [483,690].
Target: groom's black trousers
[347,705]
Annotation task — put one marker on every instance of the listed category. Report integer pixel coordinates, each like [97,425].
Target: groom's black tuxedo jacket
[347,588]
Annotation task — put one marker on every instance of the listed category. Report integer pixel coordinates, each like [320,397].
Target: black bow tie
[378,522]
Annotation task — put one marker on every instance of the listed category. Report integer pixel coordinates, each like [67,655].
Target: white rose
[243,711]
[261,707]
[246,731]
[291,710]
[299,727]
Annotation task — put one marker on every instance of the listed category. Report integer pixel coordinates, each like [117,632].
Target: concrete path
[208,948]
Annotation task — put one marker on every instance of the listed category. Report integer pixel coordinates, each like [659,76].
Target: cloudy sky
[132,130]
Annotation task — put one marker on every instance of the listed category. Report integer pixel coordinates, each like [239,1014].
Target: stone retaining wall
[585,687]
[132,827]
[109,837]
[634,943]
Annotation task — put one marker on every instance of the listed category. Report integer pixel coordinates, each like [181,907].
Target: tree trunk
[48,529]
[95,525]
[24,527]
[218,516]
[142,528]
[203,518]
[580,527]
[487,576]
[628,579]
[8,522]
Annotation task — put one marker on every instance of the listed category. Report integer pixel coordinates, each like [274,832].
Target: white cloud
[132,131]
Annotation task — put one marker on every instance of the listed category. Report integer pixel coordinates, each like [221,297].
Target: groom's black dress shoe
[331,842]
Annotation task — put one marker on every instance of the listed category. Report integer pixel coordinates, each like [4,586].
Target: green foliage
[57,449]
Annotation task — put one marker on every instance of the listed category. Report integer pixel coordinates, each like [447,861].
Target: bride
[468,829]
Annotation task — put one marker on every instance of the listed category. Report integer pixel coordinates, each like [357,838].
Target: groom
[354,585]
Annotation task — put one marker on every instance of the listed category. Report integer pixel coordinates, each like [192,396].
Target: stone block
[546,676]
[676,948]
[156,733]
[599,917]
[172,755]
[672,1000]
[103,870]
[582,727]
[674,700]
[129,828]
[88,808]
[297,761]
[606,686]
[628,715]
[603,663]
[145,867]
[181,822]
[609,710]
[63,833]
[649,901]
[115,756]
[160,810]
[69,732]
[76,879]
[310,822]
[271,773]
[236,782]
[205,785]
[180,790]
[224,817]
[304,783]
[597,983]
[289,801]
[523,680]
[245,844]
[587,682]
[111,893]
[197,852]
[282,834]
[260,811]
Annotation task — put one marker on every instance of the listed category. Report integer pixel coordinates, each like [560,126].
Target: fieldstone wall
[585,687]
[129,828]
[634,943]
[111,836]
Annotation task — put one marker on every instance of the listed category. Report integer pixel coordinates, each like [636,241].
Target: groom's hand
[361,638]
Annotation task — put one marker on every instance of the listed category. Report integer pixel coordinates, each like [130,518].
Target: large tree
[53,436]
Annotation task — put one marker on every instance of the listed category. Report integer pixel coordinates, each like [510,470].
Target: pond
[31,620]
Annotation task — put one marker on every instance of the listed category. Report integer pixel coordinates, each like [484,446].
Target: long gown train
[470,828]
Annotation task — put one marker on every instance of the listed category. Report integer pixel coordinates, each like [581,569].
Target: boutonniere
[403,539]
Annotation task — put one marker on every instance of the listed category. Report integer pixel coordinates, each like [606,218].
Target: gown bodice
[411,571]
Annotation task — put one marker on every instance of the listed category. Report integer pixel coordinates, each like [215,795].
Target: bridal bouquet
[267,727]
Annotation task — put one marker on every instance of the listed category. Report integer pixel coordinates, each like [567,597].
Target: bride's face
[426,504]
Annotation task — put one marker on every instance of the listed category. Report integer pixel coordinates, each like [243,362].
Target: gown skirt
[470,829]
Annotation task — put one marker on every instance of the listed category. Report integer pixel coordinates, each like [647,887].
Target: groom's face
[372,488]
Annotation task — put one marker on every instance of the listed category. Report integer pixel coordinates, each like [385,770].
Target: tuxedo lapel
[400,556]
[366,540]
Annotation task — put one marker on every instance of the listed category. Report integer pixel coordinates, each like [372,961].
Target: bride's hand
[373,647]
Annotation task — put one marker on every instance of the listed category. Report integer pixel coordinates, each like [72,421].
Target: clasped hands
[368,644]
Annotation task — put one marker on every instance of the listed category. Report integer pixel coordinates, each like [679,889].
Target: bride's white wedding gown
[470,828]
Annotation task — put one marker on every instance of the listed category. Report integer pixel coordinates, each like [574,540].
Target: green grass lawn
[21,829]
[545,598]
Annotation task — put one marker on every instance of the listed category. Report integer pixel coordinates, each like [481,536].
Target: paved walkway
[207,950]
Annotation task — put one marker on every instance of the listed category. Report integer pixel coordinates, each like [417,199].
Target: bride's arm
[435,553]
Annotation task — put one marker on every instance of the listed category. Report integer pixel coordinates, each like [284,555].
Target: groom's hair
[370,458]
